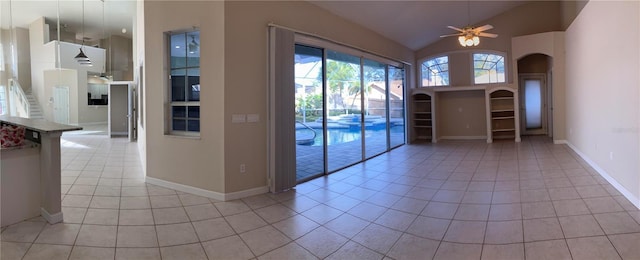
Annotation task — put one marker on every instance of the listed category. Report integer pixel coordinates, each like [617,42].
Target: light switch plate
[239,118]
[253,118]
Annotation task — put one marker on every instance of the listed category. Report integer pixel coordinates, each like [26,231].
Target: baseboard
[246,193]
[633,199]
[207,193]
[446,137]
[51,218]
[561,142]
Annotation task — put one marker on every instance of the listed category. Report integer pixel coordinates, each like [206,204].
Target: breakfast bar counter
[31,173]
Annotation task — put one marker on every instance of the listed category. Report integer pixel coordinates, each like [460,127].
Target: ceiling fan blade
[490,35]
[455,28]
[483,28]
[449,35]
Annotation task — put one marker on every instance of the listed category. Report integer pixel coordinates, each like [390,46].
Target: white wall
[603,97]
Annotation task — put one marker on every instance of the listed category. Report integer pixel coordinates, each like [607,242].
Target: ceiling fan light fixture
[461,39]
[468,40]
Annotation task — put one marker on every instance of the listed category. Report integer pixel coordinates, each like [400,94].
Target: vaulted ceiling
[416,24]
[413,24]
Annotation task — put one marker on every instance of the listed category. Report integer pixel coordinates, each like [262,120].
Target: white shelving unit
[502,115]
[423,116]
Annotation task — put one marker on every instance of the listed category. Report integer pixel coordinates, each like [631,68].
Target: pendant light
[82,58]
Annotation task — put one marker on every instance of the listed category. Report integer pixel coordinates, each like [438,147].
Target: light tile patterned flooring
[453,200]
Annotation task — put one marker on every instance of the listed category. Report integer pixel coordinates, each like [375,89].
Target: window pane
[488,68]
[178,50]
[194,125]
[194,84]
[178,85]
[193,49]
[184,51]
[533,104]
[179,125]
[435,72]
[194,112]
[179,111]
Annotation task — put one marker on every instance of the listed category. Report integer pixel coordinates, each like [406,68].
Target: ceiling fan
[470,36]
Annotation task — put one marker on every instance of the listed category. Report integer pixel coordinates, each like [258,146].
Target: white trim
[246,193]
[51,218]
[478,137]
[185,188]
[207,193]
[562,142]
[334,43]
[633,199]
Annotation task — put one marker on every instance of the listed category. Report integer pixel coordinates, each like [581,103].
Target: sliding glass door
[345,110]
[375,107]
[344,114]
[396,106]
[309,112]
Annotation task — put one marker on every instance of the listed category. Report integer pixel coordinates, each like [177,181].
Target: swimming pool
[342,135]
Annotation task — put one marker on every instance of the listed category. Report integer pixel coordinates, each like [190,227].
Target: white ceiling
[416,24]
[118,14]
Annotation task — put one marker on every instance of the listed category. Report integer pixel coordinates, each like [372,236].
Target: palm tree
[339,75]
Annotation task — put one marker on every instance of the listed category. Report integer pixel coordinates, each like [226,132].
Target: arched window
[435,72]
[488,68]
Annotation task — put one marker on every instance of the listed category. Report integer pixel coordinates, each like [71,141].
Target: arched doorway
[535,88]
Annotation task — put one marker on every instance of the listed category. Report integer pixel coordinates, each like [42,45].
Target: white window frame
[473,67]
[432,58]
[187,104]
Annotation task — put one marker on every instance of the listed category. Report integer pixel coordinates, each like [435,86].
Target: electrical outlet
[611,156]
[242,168]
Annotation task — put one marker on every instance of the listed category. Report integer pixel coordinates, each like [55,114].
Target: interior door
[533,104]
[61,104]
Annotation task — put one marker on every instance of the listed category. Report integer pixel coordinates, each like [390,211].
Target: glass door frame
[544,111]
[328,45]
[404,106]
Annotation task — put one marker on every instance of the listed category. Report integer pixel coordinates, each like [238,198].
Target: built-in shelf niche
[502,115]
[423,116]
